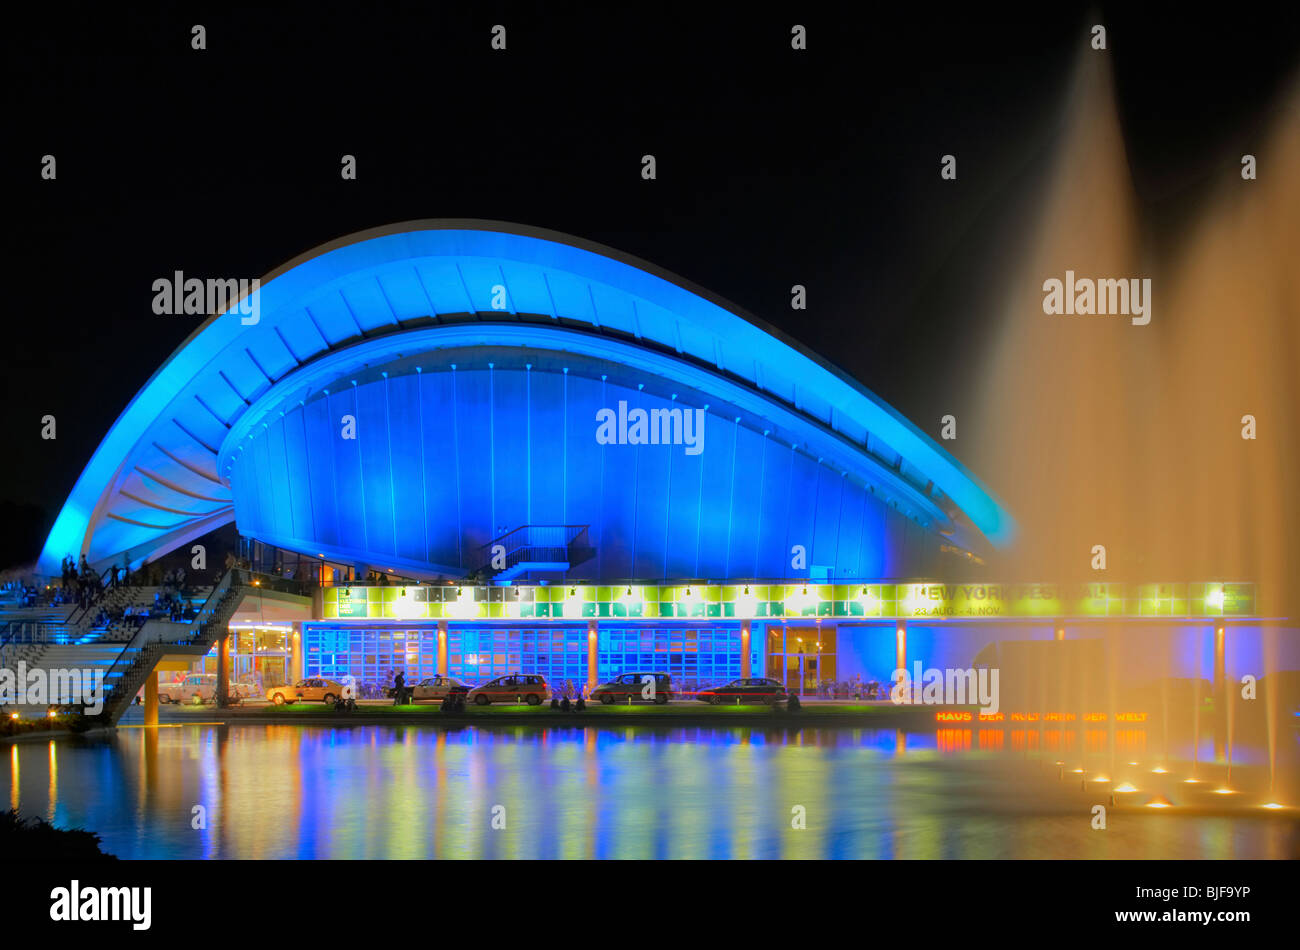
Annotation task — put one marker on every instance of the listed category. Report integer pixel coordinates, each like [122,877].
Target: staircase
[157,638]
[534,547]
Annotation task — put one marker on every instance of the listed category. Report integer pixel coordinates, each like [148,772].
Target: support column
[900,645]
[295,655]
[745,664]
[223,669]
[442,648]
[151,699]
[593,634]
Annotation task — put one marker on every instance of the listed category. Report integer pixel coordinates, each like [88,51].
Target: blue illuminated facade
[427,400]
[447,451]
[693,654]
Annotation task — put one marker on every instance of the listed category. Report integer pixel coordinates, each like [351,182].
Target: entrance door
[801,673]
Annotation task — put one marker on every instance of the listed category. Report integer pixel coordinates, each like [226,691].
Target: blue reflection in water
[520,792]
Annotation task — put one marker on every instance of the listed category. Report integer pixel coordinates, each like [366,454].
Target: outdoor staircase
[534,547]
[136,662]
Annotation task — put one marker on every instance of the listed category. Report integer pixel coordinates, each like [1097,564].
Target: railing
[29,632]
[139,656]
[534,542]
[78,615]
[277,582]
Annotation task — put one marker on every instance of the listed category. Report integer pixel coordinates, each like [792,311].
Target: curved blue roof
[161,476]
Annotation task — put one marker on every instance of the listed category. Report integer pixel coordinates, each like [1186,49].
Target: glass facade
[802,657]
[694,655]
[259,657]
[372,655]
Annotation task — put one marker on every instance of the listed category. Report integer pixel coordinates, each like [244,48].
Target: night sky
[775,167]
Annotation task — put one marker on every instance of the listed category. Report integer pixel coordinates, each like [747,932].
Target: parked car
[312,689]
[432,689]
[198,687]
[511,688]
[747,691]
[634,685]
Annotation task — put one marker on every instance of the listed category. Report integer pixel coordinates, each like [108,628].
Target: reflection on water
[416,792]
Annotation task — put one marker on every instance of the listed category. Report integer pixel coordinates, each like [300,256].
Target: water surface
[379,791]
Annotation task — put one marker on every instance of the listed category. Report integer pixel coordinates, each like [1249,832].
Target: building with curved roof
[409,395]
[486,404]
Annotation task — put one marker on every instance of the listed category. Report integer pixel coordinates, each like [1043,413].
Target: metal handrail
[146,636]
[545,540]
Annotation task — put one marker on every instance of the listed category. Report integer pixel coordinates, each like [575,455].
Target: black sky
[775,167]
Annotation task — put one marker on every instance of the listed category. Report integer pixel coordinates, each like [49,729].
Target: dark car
[636,686]
[431,689]
[745,692]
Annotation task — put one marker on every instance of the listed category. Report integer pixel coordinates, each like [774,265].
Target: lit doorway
[802,658]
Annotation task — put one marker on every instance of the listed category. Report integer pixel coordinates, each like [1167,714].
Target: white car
[436,689]
[197,687]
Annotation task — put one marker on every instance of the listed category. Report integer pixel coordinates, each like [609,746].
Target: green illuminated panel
[919,600]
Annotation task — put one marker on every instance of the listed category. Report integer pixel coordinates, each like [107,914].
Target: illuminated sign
[1055,717]
[798,600]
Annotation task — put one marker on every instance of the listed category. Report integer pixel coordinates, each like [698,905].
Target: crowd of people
[87,588]
[18,594]
[81,585]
